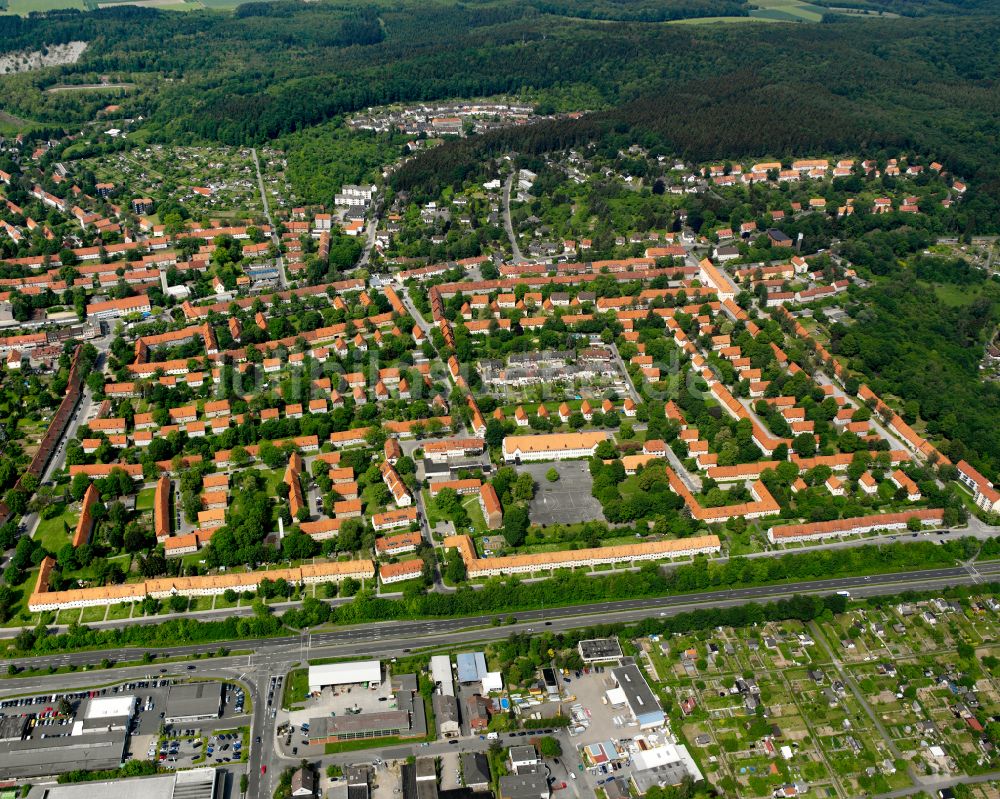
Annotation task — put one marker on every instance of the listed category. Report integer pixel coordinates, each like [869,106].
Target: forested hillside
[859,86]
[706,91]
[914,346]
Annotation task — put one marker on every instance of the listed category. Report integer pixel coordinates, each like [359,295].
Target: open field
[91,87]
[766,11]
[163,5]
[25,7]
[787,11]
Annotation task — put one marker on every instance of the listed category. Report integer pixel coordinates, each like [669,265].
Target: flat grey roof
[600,649]
[194,784]
[194,700]
[640,697]
[325,726]
[42,756]
[13,728]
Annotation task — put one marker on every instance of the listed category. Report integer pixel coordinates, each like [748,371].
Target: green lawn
[52,534]
[92,614]
[144,499]
[471,505]
[433,516]
[296,688]
[119,611]
[956,296]
[271,479]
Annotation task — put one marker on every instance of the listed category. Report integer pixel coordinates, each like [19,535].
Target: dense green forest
[926,352]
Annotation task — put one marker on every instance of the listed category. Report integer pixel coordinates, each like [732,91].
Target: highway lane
[394,637]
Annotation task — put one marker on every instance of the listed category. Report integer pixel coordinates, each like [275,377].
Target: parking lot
[191,747]
[565,501]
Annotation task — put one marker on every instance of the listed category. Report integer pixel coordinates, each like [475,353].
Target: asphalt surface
[516,258]
[282,277]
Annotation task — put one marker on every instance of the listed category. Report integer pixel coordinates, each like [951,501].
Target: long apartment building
[577,558]
[792,533]
[552,446]
[42,599]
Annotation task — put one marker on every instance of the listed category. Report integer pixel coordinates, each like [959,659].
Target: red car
[263,769]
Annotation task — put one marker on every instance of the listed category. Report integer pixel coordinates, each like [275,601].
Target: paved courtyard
[565,501]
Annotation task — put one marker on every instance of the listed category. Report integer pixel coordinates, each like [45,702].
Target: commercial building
[663,765]
[199,783]
[471,667]
[639,697]
[193,702]
[408,720]
[105,714]
[365,725]
[594,650]
[357,672]
[38,756]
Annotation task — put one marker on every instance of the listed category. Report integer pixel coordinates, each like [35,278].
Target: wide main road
[395,637]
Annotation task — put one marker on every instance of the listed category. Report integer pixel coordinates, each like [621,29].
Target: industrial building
[357,672]
[471,667]
[632,690]
[199,783]
[441,674]
[194,702]
[668,764]
[596,650]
